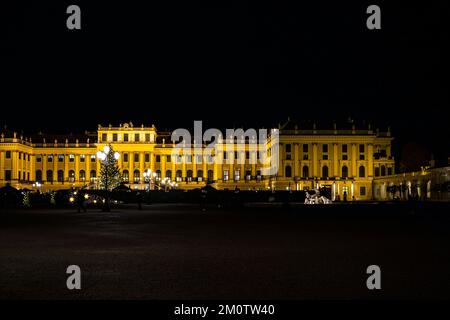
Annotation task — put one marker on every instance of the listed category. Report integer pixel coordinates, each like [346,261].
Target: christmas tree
[109,170]
[109,173]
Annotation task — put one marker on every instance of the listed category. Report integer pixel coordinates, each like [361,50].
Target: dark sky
[228,63]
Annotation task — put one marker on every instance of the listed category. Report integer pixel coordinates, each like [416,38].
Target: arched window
[178,175]
[344,172]
[125,176]
[93,175]
[383,170]
[325,172]
[38,176]
[210,175]
[288,172]
[200,174]
[136,176]
[377,171]
[71,176]
[169,174]
[60,176]
[49,175]
[189,175]
[362,172]
[305,172]
[158,174]
[82,175]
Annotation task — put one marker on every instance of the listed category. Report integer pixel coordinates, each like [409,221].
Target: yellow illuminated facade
[344,160]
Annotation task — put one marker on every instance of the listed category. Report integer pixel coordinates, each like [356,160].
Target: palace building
[344,160]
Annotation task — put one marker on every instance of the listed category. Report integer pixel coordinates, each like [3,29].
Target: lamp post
[37,185]
[150,175]
[103,156]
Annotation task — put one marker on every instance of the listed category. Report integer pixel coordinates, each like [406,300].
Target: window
[50,158]
[125,137]
[71,158]
[305,172]
[60,176]
[362,191]
[93,175]
[225,175]
[305,148]
[125,176]
[49,175]
[104,137]
[136,176]
[361,157]
[19,175]
[28,176]
[305,156]
[210,175]
[344,148]
[344,172]
[344,157]
[8,175]
[169,174]
[288,148]
[288,157]
[389,172]
[158,158]
[20,156]
[248,175]
[324,157]
[38,158]
[136,157]
[236,155]
[247,155]
[362,172]
[178,175]
[199,175]
[188,158]
[383,170]
[28,157]
[377,171]
[115,137]
[82,158]
[168,158]
[125,157]
[361,148]
[237,175]
[136,137]
[324,148]
[61,158]
[288,172]
[93,158]
[82,175]
[225,155]
[189,175]
[147,157]
[325,171]
[71,176]
[147,137]
[38,175]
[8,156]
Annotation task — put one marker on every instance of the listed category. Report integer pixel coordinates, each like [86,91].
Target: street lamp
[37,185]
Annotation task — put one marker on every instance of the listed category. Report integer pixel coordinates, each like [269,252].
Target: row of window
[344,171]
[21,155]
[126,137]
[60,158]
[71,178]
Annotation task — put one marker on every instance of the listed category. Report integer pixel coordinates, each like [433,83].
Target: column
[77,167]
[44,167]
[14,156]
[194,164]
[131,167]
[370,158]
[55,168]
[152,161]
[353,172]
[2,165]
[66,167]
[163,165]
[315,160]
[141,165]
[296,163]
[205,169]
[335,160]
[32,167]
[88,168]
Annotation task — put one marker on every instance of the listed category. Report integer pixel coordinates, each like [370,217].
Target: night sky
[228,63]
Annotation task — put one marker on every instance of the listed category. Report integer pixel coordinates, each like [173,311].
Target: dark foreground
[180,252]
